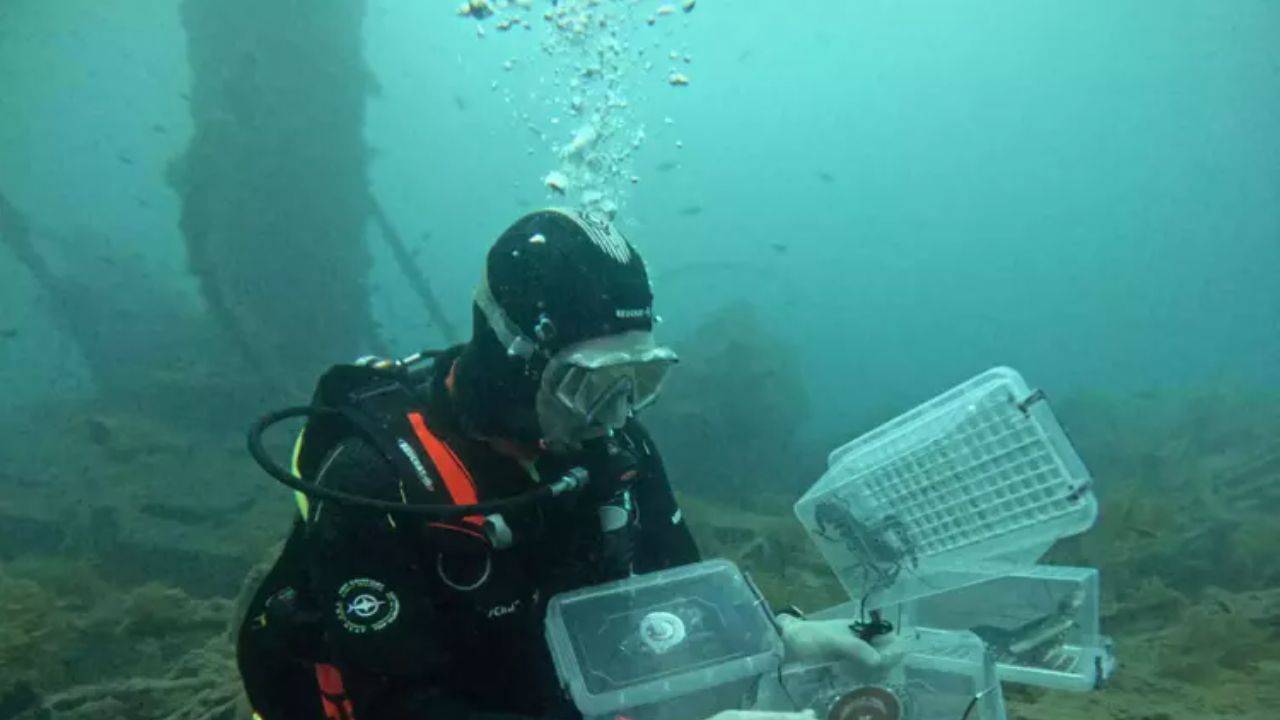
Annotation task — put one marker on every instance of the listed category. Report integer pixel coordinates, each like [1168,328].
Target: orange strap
[333,693]
[457,480]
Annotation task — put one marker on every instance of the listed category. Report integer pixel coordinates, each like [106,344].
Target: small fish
[667,166]
[99,431]
[780,248]
[159,129]
[1144,532]
[826,177]
[124,159]
[459,103]
[691,210]
[8,333]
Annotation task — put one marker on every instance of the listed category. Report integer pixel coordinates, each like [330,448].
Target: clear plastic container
[1041,624]
[981,474]
[655,639]
[943,676]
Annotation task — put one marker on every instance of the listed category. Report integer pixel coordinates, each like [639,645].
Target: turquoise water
[911,191]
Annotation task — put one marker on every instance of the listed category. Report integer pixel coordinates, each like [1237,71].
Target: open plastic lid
[982,476]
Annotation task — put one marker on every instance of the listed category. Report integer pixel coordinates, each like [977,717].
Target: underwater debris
[556,182]
[34,632]
[1208,642]
[478,9]
[202,685]
[155,610]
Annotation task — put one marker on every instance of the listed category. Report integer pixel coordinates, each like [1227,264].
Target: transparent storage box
[1041,624]
[981,474]
[943,676]
[653,639]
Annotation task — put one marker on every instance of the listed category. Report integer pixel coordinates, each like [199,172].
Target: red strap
[454,474]
[333,694]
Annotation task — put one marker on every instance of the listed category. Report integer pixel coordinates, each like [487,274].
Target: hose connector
[572,481]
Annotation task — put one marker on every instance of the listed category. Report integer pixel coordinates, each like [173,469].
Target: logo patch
[498,611]
[605,237]
[366,605]
[417,464]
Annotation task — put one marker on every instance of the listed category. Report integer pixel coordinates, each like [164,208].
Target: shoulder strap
[382,409]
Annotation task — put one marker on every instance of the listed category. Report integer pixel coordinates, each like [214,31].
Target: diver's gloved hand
[819,641]
[763,715]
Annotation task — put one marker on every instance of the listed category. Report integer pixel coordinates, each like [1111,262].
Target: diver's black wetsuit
[423,619]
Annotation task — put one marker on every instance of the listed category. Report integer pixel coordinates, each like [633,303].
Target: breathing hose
[573,480]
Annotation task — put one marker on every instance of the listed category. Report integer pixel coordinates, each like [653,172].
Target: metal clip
[1025,404]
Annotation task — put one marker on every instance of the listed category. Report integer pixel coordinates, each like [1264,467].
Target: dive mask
[593,387]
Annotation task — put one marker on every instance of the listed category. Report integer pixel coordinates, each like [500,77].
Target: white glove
[819,641]
[762,715]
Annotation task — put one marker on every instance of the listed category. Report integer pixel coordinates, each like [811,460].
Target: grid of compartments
[982,470]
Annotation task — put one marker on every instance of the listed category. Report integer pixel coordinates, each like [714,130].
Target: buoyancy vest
[382,408]
[387,409]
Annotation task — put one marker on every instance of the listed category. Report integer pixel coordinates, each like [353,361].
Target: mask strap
[515,342]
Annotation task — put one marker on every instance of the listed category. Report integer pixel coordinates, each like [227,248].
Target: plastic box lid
[659,636]
[980,474]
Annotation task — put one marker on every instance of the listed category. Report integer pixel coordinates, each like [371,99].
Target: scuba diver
[440,507]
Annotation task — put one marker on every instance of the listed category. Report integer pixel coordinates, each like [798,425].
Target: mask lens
[607,395]
[649,379]
[613,405]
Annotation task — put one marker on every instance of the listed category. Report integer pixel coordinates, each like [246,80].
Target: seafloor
[125,538]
